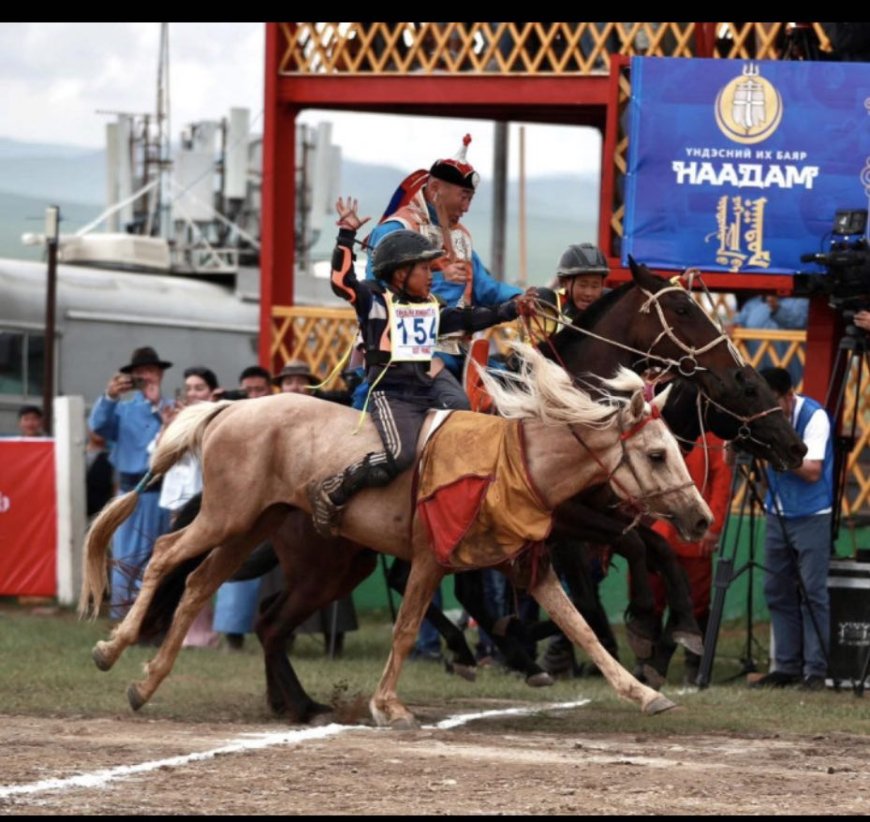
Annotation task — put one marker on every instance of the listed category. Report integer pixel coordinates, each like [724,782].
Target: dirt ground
[500,765]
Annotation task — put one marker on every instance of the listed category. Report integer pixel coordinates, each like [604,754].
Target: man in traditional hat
[132,425]
[433,203]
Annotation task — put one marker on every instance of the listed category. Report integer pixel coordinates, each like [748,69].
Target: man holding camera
[797,546]
[131,425]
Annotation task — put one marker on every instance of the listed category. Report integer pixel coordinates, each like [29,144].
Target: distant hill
[559,210]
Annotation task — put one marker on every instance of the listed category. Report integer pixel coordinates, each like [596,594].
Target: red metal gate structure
[553,73]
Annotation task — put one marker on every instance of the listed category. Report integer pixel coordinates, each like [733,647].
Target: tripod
[725,575]
[745,467]
[852,350]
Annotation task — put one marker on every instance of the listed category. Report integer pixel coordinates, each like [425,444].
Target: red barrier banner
[28,518]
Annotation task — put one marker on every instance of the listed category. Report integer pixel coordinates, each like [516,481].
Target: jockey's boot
[330,497]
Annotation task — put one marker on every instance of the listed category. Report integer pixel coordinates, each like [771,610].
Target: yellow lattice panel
[320,336]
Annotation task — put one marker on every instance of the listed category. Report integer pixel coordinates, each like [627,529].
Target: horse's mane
[543,390]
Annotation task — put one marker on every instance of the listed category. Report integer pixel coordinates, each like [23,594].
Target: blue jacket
[131,425]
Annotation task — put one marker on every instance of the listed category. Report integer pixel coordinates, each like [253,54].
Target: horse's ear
[660,399]
[636,407]
[643,276]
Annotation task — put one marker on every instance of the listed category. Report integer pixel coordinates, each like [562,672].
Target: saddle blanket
[474,495]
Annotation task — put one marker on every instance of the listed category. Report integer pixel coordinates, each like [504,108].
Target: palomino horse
[259,457]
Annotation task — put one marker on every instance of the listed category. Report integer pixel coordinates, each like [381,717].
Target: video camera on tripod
[847,283]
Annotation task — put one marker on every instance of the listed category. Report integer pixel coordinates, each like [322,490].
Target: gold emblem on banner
[749,108]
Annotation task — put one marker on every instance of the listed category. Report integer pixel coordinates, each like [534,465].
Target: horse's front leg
[424,579]
[553,600]
[685,630]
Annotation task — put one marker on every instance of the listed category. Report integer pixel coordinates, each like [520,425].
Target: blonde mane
[543,390]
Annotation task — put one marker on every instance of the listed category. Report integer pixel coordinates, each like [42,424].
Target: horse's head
[753,420]
[652,476]
[741,406]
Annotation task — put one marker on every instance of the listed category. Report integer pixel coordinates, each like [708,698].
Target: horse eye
[656,456]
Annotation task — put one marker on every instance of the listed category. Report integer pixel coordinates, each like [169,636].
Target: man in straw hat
[131,425]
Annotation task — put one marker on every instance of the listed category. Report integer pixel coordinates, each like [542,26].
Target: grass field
[47,670]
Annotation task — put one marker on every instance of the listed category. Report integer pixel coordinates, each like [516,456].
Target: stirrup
[326,514]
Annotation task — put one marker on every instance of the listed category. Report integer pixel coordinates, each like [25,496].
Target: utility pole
[499,201]
[52,224]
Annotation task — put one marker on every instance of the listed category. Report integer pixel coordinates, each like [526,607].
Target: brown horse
[260,457]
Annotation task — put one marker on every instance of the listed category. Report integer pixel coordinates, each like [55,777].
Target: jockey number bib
[413,330]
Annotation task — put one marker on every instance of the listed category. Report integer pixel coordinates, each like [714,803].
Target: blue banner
[739,165]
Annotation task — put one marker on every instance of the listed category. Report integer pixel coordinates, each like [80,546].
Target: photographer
[132,425]
[798,546]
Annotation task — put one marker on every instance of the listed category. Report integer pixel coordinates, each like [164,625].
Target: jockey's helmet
[403,247]
[582,258]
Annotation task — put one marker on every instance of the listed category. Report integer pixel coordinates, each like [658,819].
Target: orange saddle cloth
[474,494]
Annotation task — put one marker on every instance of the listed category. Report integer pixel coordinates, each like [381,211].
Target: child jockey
[399,321]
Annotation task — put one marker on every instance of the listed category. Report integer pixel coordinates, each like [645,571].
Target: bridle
[638,505]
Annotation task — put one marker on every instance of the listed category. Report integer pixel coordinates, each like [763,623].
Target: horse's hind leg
[201,585]
[170,551]
[554,601]
[302,552]
[425,577]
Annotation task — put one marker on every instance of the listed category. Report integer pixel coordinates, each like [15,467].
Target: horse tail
[184,435]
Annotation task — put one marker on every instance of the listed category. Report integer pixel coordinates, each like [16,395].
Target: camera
[847,282]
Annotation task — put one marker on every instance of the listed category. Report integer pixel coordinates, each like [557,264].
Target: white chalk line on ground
[251,742]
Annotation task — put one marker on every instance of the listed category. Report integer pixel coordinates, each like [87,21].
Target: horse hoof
[659,705]
[404,723]
[135,698]
[467,672]
[690,641]
[539,680]
[102,660]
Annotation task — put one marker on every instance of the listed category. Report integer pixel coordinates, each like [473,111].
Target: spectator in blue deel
[778,314]
[797,545]
[132,424]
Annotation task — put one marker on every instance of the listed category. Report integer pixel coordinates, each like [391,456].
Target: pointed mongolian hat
[457,170]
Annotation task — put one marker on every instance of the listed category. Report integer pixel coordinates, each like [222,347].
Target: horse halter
[688,365]
[636,504]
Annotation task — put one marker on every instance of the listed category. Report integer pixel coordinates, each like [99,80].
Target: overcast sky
[55,77]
